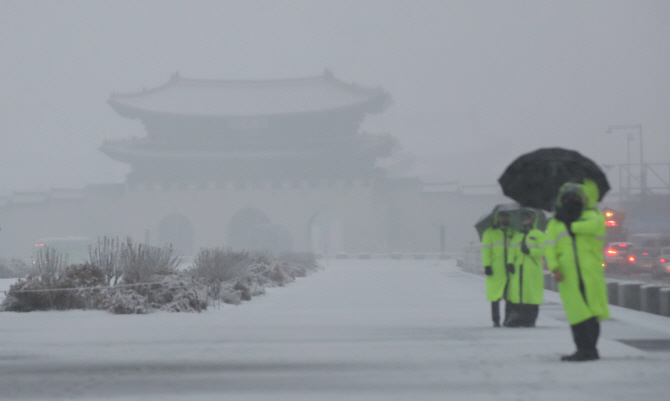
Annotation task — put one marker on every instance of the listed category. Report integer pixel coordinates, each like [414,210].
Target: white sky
[474,83]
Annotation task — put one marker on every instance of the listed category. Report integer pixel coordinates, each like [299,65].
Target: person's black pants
[495,311]
[521,315]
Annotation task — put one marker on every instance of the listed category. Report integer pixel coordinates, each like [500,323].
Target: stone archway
[271,237]
[177,230]
[242,226]
[326,234]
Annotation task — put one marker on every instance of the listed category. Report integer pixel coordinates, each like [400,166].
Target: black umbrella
[534,179]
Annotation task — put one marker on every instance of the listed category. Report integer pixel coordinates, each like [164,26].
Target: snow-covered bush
[48,267]
[124,301]
[71,287]
[177,292]
[141,262]
[149,279]
[215,266]
[233,277]
[108,256]
[298,264]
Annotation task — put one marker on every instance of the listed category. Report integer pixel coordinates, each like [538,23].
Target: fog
[474,83]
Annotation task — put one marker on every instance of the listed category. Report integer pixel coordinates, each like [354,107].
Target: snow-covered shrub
[108,256]
[150,281]
[124,301]
[27,295]
[72,287]
[216,266]
[233,277]
[178,292]
[48,267]
[297,264]
[220,264]
[141,262]
[38,291]
[278,275]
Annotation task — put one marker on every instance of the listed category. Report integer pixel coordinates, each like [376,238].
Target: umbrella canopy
[541,219]
[534,179]
[488,219]
[515,211]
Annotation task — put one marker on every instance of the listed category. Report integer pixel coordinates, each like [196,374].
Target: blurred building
[276,164]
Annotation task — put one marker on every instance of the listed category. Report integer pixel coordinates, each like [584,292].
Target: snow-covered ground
[4,286]
[357,330]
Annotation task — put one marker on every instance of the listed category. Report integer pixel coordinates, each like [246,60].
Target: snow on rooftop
[221,98]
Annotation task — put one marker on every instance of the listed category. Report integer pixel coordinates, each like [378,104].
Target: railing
[636,179]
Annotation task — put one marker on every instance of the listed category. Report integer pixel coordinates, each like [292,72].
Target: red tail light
[612,251]
[631,258]
[623,245]
[662,260]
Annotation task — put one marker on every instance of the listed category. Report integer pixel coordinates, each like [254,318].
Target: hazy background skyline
[474,83]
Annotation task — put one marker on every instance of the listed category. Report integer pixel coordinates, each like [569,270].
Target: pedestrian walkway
[356,330]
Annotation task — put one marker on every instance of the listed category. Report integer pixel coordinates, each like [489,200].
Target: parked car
[662,268]
[643,259]
[617,256]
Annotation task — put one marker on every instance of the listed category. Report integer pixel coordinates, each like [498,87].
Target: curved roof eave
[372,106]
[371,100]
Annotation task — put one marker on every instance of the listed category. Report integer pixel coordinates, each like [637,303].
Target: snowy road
[357,330]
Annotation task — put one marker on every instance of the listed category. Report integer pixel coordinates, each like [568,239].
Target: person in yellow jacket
[573,252]
[495,259]
[525,288]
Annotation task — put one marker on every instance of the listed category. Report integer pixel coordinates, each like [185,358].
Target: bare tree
[107,256]
[49,265]
[140,262]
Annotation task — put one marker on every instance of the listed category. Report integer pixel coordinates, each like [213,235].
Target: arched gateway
[214,150]
[175,229]
[220,152]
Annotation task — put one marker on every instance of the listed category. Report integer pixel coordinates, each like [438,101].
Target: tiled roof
[66,194]
[249,98]
[44,196]
[29,197]
[128,151]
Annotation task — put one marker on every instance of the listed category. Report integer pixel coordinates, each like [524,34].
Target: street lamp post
[629,138]
[643,169]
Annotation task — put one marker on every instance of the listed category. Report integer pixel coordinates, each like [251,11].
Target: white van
[73,249]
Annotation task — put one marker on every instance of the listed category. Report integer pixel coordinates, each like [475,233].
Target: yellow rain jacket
[496,253]
[583,289]
[526,284]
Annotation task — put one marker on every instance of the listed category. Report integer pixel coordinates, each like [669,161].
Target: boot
[592,330]
[495,313]
[509,308]
[530,315]
[578,356]
[582,334]
[513,315]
